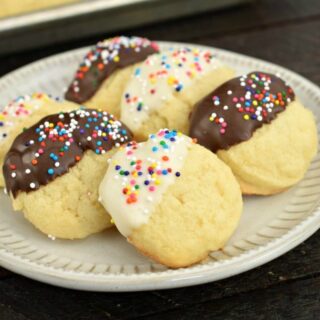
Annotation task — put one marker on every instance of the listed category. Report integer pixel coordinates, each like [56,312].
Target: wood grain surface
[285,32]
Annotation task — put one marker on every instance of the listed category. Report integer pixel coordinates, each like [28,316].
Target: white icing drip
[131,216]
[158,78]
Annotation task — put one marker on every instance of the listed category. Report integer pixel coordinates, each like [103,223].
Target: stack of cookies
[160,143]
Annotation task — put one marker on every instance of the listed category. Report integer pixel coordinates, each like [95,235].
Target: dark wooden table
[285,32]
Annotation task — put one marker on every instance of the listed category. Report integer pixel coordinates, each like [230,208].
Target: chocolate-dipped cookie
[259,128]
[22,113]
[53,169]
[104,71]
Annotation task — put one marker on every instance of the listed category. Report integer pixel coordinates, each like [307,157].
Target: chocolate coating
[51,147]
[107,57]
[232,112]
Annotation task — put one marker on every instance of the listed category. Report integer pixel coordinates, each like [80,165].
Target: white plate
[269,227]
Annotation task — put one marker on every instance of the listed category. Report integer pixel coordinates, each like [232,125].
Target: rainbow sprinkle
[19,108]
[147,174]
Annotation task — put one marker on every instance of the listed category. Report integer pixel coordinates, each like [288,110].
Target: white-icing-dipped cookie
[142,172]
[23,112]
[164,88]
[171,198]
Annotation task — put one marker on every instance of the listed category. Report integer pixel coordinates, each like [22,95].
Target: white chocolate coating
[16,110]
[160,77]
[138,176]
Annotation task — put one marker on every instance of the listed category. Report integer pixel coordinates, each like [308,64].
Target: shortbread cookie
[172,199]
[101,77]
[23,112]
[54,168]
[258,127]
[165,87]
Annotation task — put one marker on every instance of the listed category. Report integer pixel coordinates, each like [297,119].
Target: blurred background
[32,23]
[282,31]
